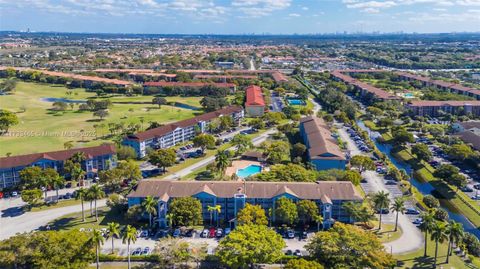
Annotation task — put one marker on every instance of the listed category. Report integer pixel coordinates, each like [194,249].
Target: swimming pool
[249,171]
[296,102]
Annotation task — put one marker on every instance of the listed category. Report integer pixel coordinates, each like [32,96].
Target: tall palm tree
[150,206]
[211,209]
[455,234]
[96,193]
[57,182]
[222,161]
[218,210]
[398,206]
[113,230]
[318,219]
[129,236]
[439,235]
[97,239]
[428,221]
[381,201]
[80,194]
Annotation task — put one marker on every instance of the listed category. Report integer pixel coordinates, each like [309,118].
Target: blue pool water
[295,102]
[249,171]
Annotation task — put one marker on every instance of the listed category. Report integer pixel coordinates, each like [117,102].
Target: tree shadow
[12,212]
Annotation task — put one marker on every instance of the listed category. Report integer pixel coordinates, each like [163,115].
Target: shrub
[431,201]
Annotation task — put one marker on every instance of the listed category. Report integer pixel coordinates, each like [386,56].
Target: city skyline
[241,16]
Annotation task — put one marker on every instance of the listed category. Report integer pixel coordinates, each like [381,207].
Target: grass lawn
[387,234]
[416,259]
[61,203]
[74,220]
[46,129]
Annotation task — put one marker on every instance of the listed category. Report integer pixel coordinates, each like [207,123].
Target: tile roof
[471,138]
[379,93]
[224,77]
[440,83]
[163,130]
[254,96]
[61,155]
[470,124]
[334,190]
[322,146]
[443,103]
[188,84]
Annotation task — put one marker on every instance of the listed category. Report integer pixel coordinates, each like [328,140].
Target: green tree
[276,151]
[248,245]
[49,177]
[97,239]
[359,212]
[402,136]
[217,209]
[422,152]
[381,202]
[353,176]
[204,141]
[225,122]
[427,226]
[222,161]
[150,206]
[129,236]
[302,264]
[96,192]
[298,150]
[186,211]
[242,142]
[455,235]
[431,201]
[398,206]
[163,158]
[439,235]
[80,194]
[362,163]
[45,250]
[335,247]
[307,210]
[460,151]
[286,211]
[257,123]
[7,120]
[101,113]
[113,230]
[287,172]
[159,101]
[31,197]
[252,214]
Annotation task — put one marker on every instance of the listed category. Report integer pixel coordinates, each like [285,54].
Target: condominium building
[322,148]
[233,195]
[436,108]
[254,104]
[97,158]
[178,132]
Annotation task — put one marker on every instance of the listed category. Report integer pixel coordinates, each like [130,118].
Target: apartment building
[178,132]
[254,104]
[436,108]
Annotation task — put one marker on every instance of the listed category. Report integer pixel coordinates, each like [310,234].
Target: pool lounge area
[244,168]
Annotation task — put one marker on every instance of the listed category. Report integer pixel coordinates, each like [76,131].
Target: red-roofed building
[162,84]
[436,108]
[255,104]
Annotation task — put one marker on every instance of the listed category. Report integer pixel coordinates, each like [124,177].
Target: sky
[240,16]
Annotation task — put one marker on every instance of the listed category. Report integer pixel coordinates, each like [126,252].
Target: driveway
[411,238]
[29,221]
[188,170]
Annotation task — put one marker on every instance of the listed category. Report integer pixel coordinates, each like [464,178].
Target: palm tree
[113,231]
[381,202]
[398,206]
[169,217]
[455,234]
[428,221]
[218,210]
[57,182]
[97,239]
[439,234]
[80,194]
[211,209]
[130,236]
[318,219]
[222,161]
[96,193]
[150,206]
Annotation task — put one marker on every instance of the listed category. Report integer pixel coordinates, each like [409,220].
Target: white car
[418,221]
[476,197]
[204,233]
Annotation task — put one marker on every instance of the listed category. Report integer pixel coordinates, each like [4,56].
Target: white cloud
[375,6]
[259,8]
[294,15]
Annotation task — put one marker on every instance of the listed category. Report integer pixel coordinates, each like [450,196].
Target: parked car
[227,231]
[476,186]
[412,211]
[14,194]
[303,235]
[211,233]
[137,251]
[297,253]
[418,221]
[204,233]
[219,233]
[189,233]
[466,189]
[176,233]
[146,251]
[391,182]
[290,234]
[289,252]
[476,197]
[383,211]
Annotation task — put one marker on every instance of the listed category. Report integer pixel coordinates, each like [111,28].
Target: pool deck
[239,164]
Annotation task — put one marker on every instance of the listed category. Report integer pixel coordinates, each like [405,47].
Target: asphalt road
[411,238]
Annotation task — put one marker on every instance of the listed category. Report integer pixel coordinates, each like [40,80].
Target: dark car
[383,211]
[303,235]
[176,233]
[412,211]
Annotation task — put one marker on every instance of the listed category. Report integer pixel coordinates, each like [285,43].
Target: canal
[424,187]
